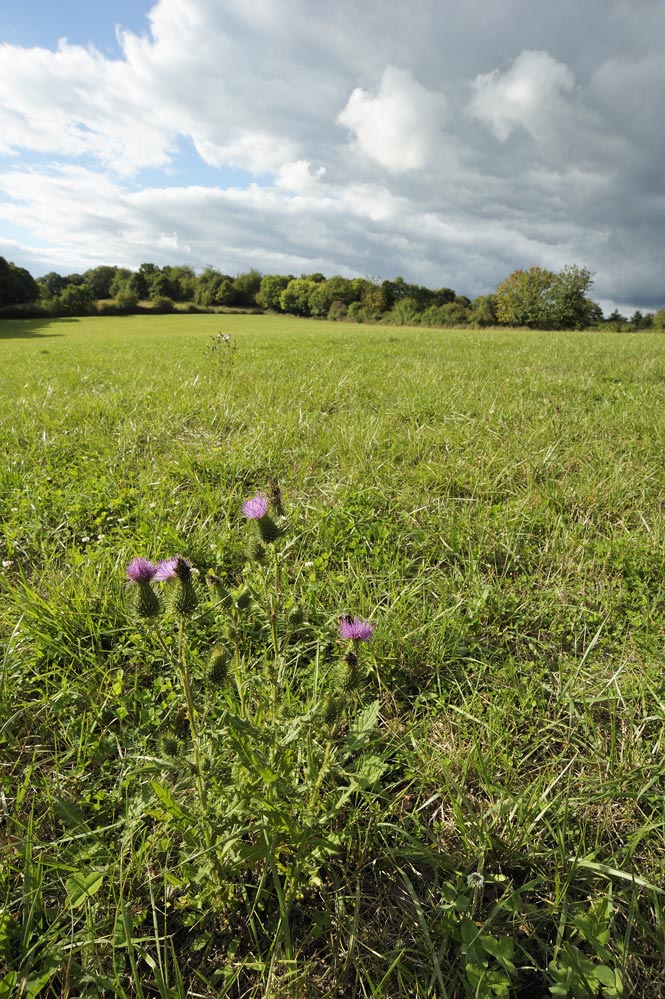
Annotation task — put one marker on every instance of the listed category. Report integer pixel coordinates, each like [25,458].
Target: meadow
[211,791]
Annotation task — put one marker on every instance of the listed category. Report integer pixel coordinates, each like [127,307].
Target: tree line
[535,298]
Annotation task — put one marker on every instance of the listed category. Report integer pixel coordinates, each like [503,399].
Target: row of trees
[16,285]
[535,298]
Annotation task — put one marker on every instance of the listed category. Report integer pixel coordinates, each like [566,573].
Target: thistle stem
[193,726]
[238,677]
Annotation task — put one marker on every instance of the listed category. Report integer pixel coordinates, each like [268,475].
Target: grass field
[229,799]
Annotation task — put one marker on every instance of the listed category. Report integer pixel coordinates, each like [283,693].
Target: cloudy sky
[450,142]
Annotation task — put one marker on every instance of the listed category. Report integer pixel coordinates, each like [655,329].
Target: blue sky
[447,143]
[45,22]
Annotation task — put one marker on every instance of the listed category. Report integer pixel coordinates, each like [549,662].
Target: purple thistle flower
[355,629]
[166,569]
[255,508]
[140,570]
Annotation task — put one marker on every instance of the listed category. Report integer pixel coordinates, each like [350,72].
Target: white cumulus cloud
[400,125]
[531,94]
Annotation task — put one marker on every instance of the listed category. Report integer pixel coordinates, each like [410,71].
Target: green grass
[483,814]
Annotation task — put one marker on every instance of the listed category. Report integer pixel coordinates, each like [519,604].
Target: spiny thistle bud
[242,597]
[218,667]
[169,746]
[256,550]
[296,616]
[346,676]
[181,596]
[182,599]
[256,509]
[332,707]
[141,573]
[269,529]
[146,601]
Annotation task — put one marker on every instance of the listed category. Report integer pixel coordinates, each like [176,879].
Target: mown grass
[484,815]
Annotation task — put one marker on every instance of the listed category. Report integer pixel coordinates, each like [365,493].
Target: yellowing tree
[541,299]
[521,300]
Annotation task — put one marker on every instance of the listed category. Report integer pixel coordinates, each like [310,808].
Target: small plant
[224,348]
[279,746]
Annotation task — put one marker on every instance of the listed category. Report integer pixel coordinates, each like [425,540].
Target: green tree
[658,321]
[77,300]
[16,284]
[161,285]
[271,287]
[126,299]
[405,312]
[183,282]
[120,281]
[374,301]
[617,321]
[335,289]
[541,299]
[443,296]
[296,296]
[99,280]
[207,286]
[567,306]
[226,293]
[483,311]
[51,284]
[521,299]
[246,287]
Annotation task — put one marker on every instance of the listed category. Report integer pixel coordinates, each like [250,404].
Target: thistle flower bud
[332,707]
[256,550]
[218,667]
[269,529]
[296,616]
[146,601]
[242,597]
[169,746]
[181,596]
[346,677]
[256,509]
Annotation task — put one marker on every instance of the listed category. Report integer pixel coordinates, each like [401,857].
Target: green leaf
[168,801]
[362,726]
[80,887]
[369,771]
[612,872]
[8,985]
[605,975]
[8,932]
[37,980]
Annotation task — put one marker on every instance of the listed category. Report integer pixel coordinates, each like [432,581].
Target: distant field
[480,812]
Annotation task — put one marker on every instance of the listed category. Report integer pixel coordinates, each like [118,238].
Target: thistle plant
[356,631]
[273,780]
[180,599]
[268,529]
[224,348]
[141,573]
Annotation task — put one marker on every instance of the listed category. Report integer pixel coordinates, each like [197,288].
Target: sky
[447,142]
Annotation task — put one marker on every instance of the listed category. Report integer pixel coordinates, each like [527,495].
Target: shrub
[126,299]
[337,311]
[162,304]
